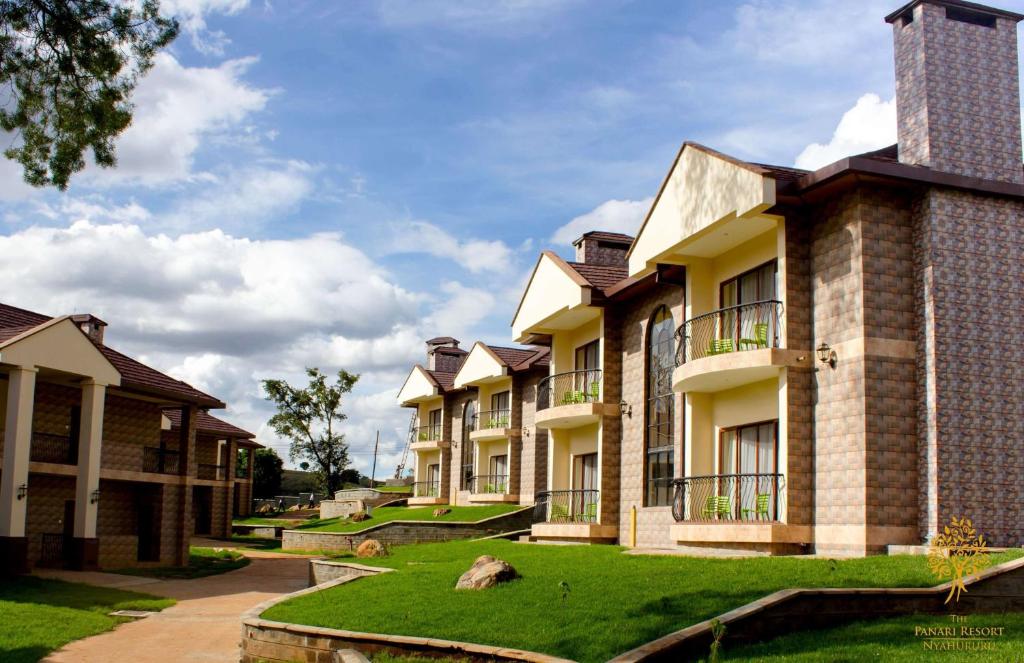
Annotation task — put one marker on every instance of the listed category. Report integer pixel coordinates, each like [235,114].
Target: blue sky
[330,183]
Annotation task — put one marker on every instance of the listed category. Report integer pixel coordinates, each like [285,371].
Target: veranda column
[85,544]
[21,387]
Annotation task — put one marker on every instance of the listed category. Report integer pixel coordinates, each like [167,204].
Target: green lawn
[394,489]
[884,640]
[388,513]
[268,522]
[39,616]
[202,562]
[614,602]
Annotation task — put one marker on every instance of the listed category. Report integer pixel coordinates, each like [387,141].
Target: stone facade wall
[653,522]
[129,426]
[46,498]
[534,458]
[454,407]
[611,427]
[594,251]
[398,533]
[970,382]
[958,96]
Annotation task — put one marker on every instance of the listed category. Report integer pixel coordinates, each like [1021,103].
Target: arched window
[659,455]
[466,472]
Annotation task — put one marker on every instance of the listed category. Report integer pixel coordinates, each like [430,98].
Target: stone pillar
[187,467]
[21,388]
[85,544]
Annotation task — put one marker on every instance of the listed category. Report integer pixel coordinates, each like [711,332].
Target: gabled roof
[600,276]
[604,236]
[207,423]
[135,376]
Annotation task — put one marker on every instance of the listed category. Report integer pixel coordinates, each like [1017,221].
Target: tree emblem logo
[958,553]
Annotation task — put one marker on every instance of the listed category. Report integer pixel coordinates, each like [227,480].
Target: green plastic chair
[559,513]
[595,391]
[720,346]
[590,513]
[710,507]
[760,339]
[760,509]
[724,508]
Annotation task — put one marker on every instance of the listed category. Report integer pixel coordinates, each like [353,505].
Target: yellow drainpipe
[632,527]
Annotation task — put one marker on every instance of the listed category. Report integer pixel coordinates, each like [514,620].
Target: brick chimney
[957,90]
[444,354]
[598,247]
[91,325]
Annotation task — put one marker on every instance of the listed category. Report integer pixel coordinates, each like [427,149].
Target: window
[434,420]
[660,411]
[587,357]
[500,410]
[498,468]
[433,480]
[468,414]
[757,285]
[750,449]
[750,326]
[584,472]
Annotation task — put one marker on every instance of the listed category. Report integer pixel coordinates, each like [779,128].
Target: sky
[331,183]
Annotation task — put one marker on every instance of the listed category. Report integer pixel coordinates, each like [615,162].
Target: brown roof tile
[12,316]
[444,379]
[604,235]
[207,423]
[600,276]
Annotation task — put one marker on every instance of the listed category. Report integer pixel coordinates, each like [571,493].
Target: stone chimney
[957,90]
[602,248]
[444,354]
[91,325]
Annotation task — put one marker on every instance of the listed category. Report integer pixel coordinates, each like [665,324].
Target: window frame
[664,454]
[757,426]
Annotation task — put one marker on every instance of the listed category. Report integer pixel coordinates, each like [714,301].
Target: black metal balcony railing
[569,389]
[729,497]
[50,448]
[567,506]
[211,472]
[53,550]
[427,489]
[488,484]
[160,461]
[429,433]
[732,329]
[492,419]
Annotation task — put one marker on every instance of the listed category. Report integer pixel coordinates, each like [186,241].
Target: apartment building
[472,430]
[106,461]
[792,361]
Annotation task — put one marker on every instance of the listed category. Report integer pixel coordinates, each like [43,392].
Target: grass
[202,562]
[40,615]
[259,543]
[394,489]
[388,513]
[883,640]
[268,522]
[608,604]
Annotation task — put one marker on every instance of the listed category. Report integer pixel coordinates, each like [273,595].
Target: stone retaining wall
[261,531]
[399,532]
[996,590]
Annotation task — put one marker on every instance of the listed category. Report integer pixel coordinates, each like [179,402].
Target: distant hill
[294,482]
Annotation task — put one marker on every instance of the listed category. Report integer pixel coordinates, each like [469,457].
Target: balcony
[160,461]
[427,437]
[211,472]
[49,448]
[570,515]
[425,493]
[490,488]
[241,472]
[491,425]
[570,400]
[745,510]
[731,347]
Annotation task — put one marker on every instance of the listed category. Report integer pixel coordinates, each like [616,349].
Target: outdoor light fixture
[625,409]
[827,355]
[526,432]
[94,497]
[22,491]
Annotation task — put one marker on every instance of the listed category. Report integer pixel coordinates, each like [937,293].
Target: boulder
[359,516]
[486,572]
[440,512]
[371,548]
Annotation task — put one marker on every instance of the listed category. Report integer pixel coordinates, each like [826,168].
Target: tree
[308,416]
[350,476]
[68,69]
[266,473]
[304,466]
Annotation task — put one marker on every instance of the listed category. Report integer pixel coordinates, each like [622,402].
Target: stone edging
[389,523]
[776,614]
[266,640]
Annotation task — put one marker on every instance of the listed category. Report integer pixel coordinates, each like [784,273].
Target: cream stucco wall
[424,459]
[61,346]
[485,391]
[550,291]
[564,444]
[417,387]
[701,190]
[480,365]
[424,409]
[708,414]
[564,344]
[485,450]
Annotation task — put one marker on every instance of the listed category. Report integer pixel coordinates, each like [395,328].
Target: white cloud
[469,14]
[869,125]
[476,255]
[191,14]
[622,216]
[176,109]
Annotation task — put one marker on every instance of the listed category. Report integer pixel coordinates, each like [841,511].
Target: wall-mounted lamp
[625,409]
[827,355]
[526,432]
[94,496]
[22,491]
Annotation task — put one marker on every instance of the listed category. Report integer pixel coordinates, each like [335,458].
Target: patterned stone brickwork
[969,403]
[534,465]
[957,93]
[653,522]
[593,251]
[117,523]
[220,522]
[46,498]
[837,316]
[174,518]
[129,426]
[206,449]
[799,383]
[244,500]
[456,431]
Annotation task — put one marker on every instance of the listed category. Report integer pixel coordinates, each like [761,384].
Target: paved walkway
[205,624]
